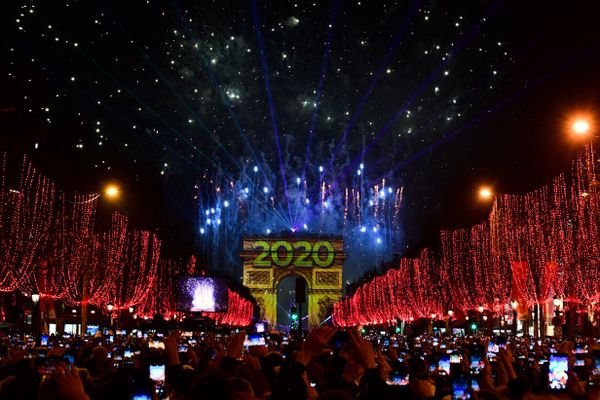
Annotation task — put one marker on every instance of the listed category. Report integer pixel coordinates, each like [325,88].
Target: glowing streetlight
[581,126]
[485,193]
[35,297]
[112,191]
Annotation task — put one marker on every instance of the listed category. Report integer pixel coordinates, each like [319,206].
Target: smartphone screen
[460,388]
[477,363]
[455,358]
[127,353]
[596,363]
[474,385]
[44,341]
[557,372]
[580,348]
[396,378]
[157,373]
[444,363]
[141,397]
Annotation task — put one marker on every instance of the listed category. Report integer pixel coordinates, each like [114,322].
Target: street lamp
[35,298]
[112,191]
[580,125]
[485,193]
[110,306]
[556,302]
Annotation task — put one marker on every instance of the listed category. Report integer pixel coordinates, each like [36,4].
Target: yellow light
[112,191]
[581,126]
[485,193]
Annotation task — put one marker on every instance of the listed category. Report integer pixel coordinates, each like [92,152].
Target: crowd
[329,364]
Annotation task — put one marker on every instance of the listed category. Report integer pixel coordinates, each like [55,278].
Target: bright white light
[320,168]
[374,229]
[226,203]
[246,190]
[390,190]
[298,180]
[202,231]
[268,231]
[363,228]
[370,202]
[212,210]
[207,212]
[307,201]
[581,126]
[219,221]
[359,172]
[208,221]
[378,240]
[265,189]
[362,166]
[305,226]
[204,297]
[255,168]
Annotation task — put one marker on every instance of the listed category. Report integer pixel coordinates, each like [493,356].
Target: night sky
[159,96]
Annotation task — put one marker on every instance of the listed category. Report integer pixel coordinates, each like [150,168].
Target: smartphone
[397,378]
[474,385]
[44,341]
[111,338]
[596,363]
[141,397]
[157,373]
[501,341]
[182,348]
[476,362]
[557,371]
[460,388]
[444,363]
[254,340]
[340,340]
[386,344]
[70,358]
[127,353]
[580,348]
[455,358]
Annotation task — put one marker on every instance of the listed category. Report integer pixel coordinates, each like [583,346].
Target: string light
[532,248]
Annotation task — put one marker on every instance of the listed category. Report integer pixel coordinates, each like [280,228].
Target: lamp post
[112,192]
[35,299]
[514,305]
[110,306]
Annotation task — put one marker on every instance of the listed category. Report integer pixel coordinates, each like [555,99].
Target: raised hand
[363,349]
[235,347]
[316,340]
[68,384]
